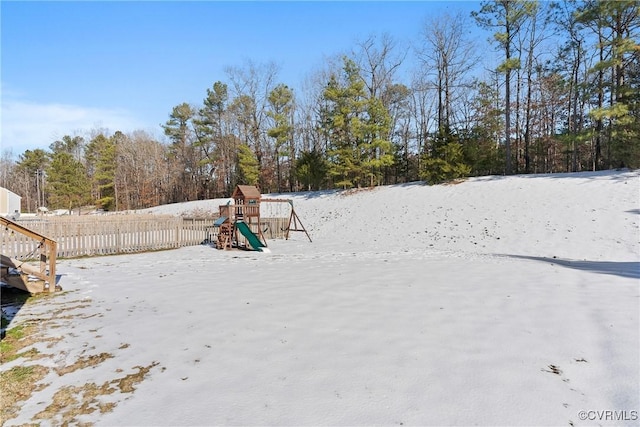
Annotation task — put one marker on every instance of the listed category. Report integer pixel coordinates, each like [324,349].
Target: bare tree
[379,58]
[423,105]
[310,131]
[142,179]
[532,35]
[447,56]
[251,85]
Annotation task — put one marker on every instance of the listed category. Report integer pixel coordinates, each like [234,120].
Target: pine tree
[358,128]
[617,25]
[101,160]
[67,185]
[506,16]
[446,160]
[248,166]
[183,164]
[214,160]
[281,108]
[311,170]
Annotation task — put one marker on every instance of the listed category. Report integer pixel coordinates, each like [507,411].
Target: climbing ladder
[21,275]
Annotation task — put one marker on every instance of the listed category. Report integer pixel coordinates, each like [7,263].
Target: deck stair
[19,274]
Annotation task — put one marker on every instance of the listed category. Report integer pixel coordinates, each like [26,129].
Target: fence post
[179,223]
[118,244]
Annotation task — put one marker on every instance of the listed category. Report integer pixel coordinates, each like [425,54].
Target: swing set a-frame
[240,224]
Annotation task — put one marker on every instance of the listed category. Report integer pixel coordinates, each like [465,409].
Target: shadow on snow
[628,269]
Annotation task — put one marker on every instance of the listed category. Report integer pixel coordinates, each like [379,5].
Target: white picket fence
[118,234]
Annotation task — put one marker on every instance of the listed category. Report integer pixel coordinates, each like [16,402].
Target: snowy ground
[497,301]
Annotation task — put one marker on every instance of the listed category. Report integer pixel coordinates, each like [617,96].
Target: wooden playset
[239,223]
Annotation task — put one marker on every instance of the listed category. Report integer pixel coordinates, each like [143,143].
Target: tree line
[564,96]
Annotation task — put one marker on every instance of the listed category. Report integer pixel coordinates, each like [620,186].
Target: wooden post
[296,220]
[53,248]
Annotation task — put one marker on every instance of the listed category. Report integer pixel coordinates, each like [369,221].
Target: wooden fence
[119,234]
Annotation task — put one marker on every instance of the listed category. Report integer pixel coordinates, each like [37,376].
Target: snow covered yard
[497,301]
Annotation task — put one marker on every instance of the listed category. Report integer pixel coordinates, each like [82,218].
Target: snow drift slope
[580,216]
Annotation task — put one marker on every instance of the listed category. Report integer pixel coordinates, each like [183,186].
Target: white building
[9,202]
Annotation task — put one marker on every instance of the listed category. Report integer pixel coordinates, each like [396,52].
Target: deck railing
[44,250]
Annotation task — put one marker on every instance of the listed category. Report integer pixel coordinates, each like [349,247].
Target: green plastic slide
[253,240]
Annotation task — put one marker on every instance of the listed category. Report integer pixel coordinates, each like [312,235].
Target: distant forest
[564,96]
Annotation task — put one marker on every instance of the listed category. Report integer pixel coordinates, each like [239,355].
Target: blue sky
[69,67]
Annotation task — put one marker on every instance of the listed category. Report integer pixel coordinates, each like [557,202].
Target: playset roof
[246,192]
